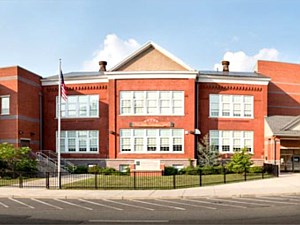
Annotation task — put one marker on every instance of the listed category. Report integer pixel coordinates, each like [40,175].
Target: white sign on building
[147,165]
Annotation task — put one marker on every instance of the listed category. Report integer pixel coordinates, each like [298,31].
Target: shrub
[108,171]
[240,161]
[170,170]
[27,165]
[218,169]
[190,170]
[207,170]
[255,169]
[81,169]
[94,169]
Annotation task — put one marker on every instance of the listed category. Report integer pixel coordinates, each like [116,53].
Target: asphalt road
[258,210]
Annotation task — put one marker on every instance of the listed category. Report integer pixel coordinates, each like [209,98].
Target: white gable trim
[233,80]
[292,124]
[119,75]
[143,48]
[75,81]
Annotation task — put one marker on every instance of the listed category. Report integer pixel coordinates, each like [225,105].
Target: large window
[151,140]
[152,103]
[79,141]
[240,106]
[79,106]
[231,141]
[4,103]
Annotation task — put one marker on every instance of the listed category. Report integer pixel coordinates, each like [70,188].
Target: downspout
[116,105]
[275,150]
[196,117]
[41,120]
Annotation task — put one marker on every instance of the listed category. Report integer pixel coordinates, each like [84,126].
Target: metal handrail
[54,156]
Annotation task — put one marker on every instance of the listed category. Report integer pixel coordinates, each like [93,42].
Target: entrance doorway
[290,160]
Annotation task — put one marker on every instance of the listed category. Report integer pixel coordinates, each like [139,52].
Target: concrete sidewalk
[283,185]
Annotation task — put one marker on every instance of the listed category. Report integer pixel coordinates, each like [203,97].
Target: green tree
[208,155]
[240,161]
[16,159]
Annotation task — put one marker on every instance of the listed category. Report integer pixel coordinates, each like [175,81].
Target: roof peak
[143,48]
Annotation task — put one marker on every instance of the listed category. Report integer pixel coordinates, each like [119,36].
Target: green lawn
[8,181]
[157,182]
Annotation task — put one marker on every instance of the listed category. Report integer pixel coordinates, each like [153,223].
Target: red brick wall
[23,87]
[283,91]
[101,123]
[29,94]
[256,125]
[185,122]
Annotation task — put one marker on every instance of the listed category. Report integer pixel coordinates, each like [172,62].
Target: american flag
[63,87]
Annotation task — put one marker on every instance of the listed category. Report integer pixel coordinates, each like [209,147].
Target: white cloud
[113,51]
[239,61]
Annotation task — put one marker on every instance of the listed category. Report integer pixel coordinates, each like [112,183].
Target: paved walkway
[285,184]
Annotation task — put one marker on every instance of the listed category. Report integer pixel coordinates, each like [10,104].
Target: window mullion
[66,142]
[220,106]
[171,107]
[221,141]
[145,141]
[170,140]
[76,142]
[88,106]
[231,142]
[231,106]
[145,111]
[158,140]
[88,141]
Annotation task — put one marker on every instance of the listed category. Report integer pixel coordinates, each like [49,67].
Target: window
[151,102]
[231,141]
[124,168]
[151,140]
[79,106]
[24,142]
[5,102]
[240,106]
[83,141]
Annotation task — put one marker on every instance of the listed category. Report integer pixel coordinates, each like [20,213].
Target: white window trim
[8,97]
[77,107]
[242,140]
[65,139]
[158,113]
[157,136]
[220,104]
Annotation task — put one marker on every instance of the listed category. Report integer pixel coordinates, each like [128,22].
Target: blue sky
[36,33]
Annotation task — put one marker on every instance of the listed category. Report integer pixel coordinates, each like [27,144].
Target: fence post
[59,180]
[174,181]
[245,174]
[47,180]
[96,180]
[200,176]
[20,181]
[134,180]
[263,173]
[277,170]
[224,172]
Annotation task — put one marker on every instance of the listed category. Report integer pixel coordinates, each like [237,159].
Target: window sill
[90,153]
[151,115]
[67,118]
[235,118]
[149,153]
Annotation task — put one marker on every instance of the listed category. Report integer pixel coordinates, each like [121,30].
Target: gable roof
[282,125]
[143,49]
[292,123]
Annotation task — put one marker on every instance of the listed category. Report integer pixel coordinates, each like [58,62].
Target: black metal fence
[131,180]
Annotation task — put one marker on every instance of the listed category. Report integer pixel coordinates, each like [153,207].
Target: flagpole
[59,125]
